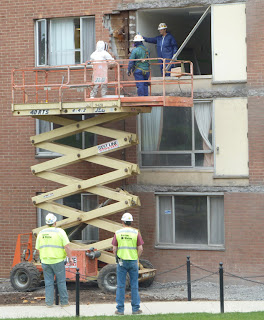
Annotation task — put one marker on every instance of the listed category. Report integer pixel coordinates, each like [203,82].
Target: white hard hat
[127,217]
[162,25]
[50,218]
[138,37]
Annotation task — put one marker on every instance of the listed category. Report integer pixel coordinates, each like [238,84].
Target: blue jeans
[142,87]
[130,266]
[49,270]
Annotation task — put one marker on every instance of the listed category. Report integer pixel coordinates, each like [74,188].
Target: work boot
[119,313]
[137,312]
[65,305]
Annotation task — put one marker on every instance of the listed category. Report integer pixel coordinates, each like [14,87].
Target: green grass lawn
[186,316]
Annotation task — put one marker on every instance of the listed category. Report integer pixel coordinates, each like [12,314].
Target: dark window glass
[177,129]
[77,139]
[191,220]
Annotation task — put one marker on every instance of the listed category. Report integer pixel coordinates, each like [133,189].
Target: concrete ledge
[27,311]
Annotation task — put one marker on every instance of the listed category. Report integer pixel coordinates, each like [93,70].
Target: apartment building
[201,181]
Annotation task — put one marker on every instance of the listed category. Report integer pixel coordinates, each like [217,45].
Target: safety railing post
[77,284]
[57,299]
[189,289]
[221,282]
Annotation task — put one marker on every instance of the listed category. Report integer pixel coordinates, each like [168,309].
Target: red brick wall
[255,44]
[244,239]
[243,212]
[255,69]
[256,140]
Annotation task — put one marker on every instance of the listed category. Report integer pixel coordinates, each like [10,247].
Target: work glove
[128,72]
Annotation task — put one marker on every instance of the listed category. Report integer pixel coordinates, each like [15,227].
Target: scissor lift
[50,94]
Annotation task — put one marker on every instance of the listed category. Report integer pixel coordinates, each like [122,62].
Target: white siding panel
[231,141]
[229,50]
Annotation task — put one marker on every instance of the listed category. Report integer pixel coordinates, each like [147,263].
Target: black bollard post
[221,282]
[77,293]
[189,289]
[57,299]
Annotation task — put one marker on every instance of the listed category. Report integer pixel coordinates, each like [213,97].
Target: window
[190,221]
[41,215]
[64,41]
[216,47]
[84,202]
[177,137]
[81,140]
[180,22]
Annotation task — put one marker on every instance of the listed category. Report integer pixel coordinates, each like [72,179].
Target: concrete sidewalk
[28,311]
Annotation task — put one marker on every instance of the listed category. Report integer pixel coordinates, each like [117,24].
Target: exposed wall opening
[180,22]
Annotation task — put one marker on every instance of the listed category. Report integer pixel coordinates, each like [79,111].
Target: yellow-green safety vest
[50,243]
[127,243]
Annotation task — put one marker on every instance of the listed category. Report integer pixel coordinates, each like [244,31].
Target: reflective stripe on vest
[50,230]
[127,231]
[127,244]
[51,246]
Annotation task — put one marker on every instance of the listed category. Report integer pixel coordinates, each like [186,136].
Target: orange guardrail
[56,84]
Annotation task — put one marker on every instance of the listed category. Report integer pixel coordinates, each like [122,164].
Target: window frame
[48,39]
[173,245]
[49,154]
[83,195]
[37,42]
[193,152]
[82,18]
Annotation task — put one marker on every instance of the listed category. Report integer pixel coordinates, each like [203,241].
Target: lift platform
[52,93]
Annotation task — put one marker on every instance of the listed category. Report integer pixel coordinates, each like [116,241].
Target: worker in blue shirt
[140,69]
[166,45]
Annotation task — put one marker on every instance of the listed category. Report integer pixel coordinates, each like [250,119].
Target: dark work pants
[142,87]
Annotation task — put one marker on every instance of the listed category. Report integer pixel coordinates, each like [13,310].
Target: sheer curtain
[203,116]
[87,37]
[165,220]
[216,220]
[43,126]
[151,129]
[62,42]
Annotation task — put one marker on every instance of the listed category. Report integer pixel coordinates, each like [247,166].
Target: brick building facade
[161,190]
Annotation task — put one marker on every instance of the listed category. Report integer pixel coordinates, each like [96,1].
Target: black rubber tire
[148,265]
[25,277]
[107,279]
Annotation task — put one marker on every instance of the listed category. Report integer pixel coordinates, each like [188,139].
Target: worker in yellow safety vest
[53,246]
[127,246]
